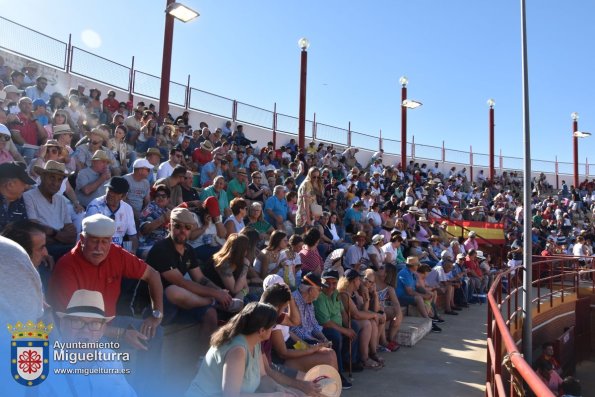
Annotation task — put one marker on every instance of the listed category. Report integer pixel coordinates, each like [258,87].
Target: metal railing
[21,40]
[507,372]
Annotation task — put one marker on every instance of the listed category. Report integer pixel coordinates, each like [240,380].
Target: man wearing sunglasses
[173,258]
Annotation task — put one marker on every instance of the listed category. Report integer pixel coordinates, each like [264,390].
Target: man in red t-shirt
[30,131]
[202,154]
[98,265]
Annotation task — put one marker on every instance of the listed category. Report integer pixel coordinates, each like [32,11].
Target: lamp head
[303,43]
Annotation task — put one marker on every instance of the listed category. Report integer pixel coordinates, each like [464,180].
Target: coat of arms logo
[29,358]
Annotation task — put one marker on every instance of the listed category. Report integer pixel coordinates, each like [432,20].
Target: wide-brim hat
[327,377]
[378,238]
[85,303]
[423,219]
[389,223]
[207,145]
[413,210]
[480,255]
[51,167]
[62,129]
[360,234]
[241,171]
[152,151]
[100,132]
[412,261]
[101,155]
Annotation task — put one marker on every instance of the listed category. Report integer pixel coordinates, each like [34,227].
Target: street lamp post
[576,134]
[184,14]
[405,104]
[491,173]
[303,43]
[403,80]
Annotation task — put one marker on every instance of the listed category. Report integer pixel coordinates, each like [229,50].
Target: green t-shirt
[328,308]
[235,186]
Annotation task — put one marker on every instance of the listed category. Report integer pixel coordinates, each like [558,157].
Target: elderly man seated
[84,320]
[90,180]
[99,265]
[309,331]
[357,257]
[406,289]
[45,205]
[13,183]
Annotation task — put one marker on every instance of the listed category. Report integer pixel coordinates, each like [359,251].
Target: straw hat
[207,145]
[85,303]
[101,133]
[62,129]
[378,238]
[51,167]
[361,234]
[327,377]
[101,155]
[412,261]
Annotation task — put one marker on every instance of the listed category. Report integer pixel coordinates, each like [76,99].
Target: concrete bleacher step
[412,330]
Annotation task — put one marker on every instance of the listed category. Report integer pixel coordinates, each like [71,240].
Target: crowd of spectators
[204,222]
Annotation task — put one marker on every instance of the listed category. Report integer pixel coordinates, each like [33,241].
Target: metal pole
[403,129]
[575,151]
[302,113]
[275,126]
[168,38]
[349,134]
[187,99]
[380,140]
[527,246]
[131,78]
[491,172]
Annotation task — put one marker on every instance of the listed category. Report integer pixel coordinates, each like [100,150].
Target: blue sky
[456,54]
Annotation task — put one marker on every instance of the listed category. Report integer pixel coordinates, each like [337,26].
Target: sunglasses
[95,325]
[179,226]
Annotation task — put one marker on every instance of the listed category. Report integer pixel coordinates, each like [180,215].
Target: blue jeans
[342,349]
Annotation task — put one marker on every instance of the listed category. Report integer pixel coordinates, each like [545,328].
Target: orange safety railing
[507,372]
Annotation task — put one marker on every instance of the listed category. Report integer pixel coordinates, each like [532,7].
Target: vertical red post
[302,113]
[491,163]
[131,78]
[275,126]
[557,175]
[68,54]
[349,135]
[168,38]
[575,150]
[403,128]
[471,163]
[187,99]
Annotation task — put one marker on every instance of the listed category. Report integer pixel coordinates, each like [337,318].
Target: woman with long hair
[147,136]
[230,266]
[117,144]
[347,287]
[234,365]
[307,192]
[386,283]
[267,262]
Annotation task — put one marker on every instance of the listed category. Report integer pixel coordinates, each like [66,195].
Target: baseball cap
[142,163]
[16,170]
[312,279]
[118,184]
[351,274]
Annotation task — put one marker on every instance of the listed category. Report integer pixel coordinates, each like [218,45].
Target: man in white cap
[173,258]
[84,320]
[99,265]
[138,195]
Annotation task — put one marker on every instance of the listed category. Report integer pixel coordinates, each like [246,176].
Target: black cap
[351,274]
[329,273]
[16,170]
[312,279]
[118,184]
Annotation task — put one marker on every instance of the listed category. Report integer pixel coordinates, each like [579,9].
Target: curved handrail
[518,362]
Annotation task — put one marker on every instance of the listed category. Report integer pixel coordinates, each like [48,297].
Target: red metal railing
[507,372]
